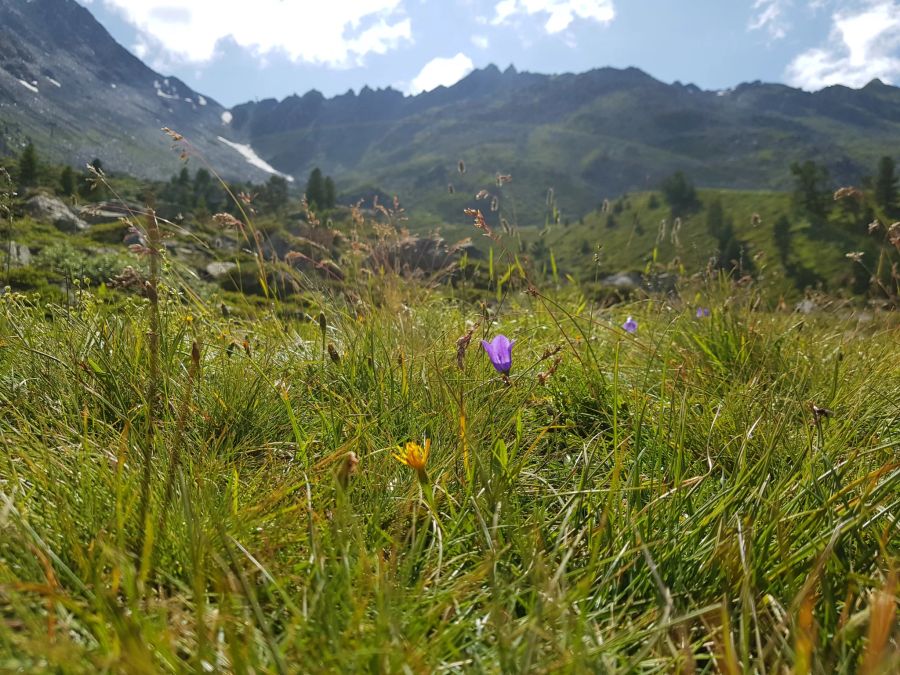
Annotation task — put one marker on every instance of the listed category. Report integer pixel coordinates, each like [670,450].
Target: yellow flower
[414,455]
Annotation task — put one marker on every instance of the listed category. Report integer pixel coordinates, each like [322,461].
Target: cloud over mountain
[345,33]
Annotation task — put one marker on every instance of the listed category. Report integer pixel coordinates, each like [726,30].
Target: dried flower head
[333,353]
[348,468]
[129,279]
[543,377]
[676,229]
[462,344]
[855,256]
[819,413]
[480,222]
[847,193]
[503,179]
[228,220]
[550,351]
[755,219]
[482,194]
[874,226]
[174,135]
[894,234]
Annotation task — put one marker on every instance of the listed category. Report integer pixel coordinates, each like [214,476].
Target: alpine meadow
[557,369]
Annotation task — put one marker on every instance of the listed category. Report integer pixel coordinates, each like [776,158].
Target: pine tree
[812,193]
[715,219]
[680,194]
[886,192]
[28,166]
[781,233]
[315,189]
[330,193]
[275,193]
[67,181]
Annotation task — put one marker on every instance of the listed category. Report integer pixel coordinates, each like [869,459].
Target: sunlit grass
[667,500]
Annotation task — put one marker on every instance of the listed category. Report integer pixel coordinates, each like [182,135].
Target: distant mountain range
[68,85]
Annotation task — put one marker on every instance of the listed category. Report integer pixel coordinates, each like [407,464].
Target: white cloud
[561,12]
[864,44]
[769,15]
[338,33]
[441,71]
[480,41]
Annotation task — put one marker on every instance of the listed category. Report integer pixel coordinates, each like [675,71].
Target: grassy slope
[665,501]
[630,244]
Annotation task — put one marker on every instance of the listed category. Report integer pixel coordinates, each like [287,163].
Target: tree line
[198,193]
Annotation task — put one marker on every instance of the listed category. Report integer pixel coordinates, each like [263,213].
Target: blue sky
[235,50]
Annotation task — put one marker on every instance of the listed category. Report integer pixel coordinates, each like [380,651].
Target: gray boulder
[47,209]
[217,270]
[19,254]
[624,281]
[104,212]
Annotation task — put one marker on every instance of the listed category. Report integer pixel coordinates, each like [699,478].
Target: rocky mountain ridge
[67,85]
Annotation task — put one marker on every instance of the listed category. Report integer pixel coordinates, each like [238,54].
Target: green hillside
[775,242]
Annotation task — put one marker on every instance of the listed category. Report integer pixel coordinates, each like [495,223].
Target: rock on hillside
[51,210]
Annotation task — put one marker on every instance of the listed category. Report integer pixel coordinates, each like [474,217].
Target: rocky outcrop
[218,270]
[19,254]
[47,209]
[104,212]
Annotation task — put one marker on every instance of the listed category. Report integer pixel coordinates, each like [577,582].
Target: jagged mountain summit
[66,84]
[589,136]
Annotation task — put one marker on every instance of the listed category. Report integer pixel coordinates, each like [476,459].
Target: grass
[668,501]
[628,237]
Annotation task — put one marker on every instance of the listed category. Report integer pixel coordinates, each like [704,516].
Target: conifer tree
[67,181]
[330,193]
[28,166]
[886,181]
[315,189]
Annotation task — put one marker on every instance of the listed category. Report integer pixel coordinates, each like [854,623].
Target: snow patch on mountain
[253,159]
[29,86]
[160,90]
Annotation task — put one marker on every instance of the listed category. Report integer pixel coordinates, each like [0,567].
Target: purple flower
[702,312]
[630,325]
[499,350]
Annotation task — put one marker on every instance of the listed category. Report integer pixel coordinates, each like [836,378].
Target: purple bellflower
[630,325]
[499,350]
[702,312]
